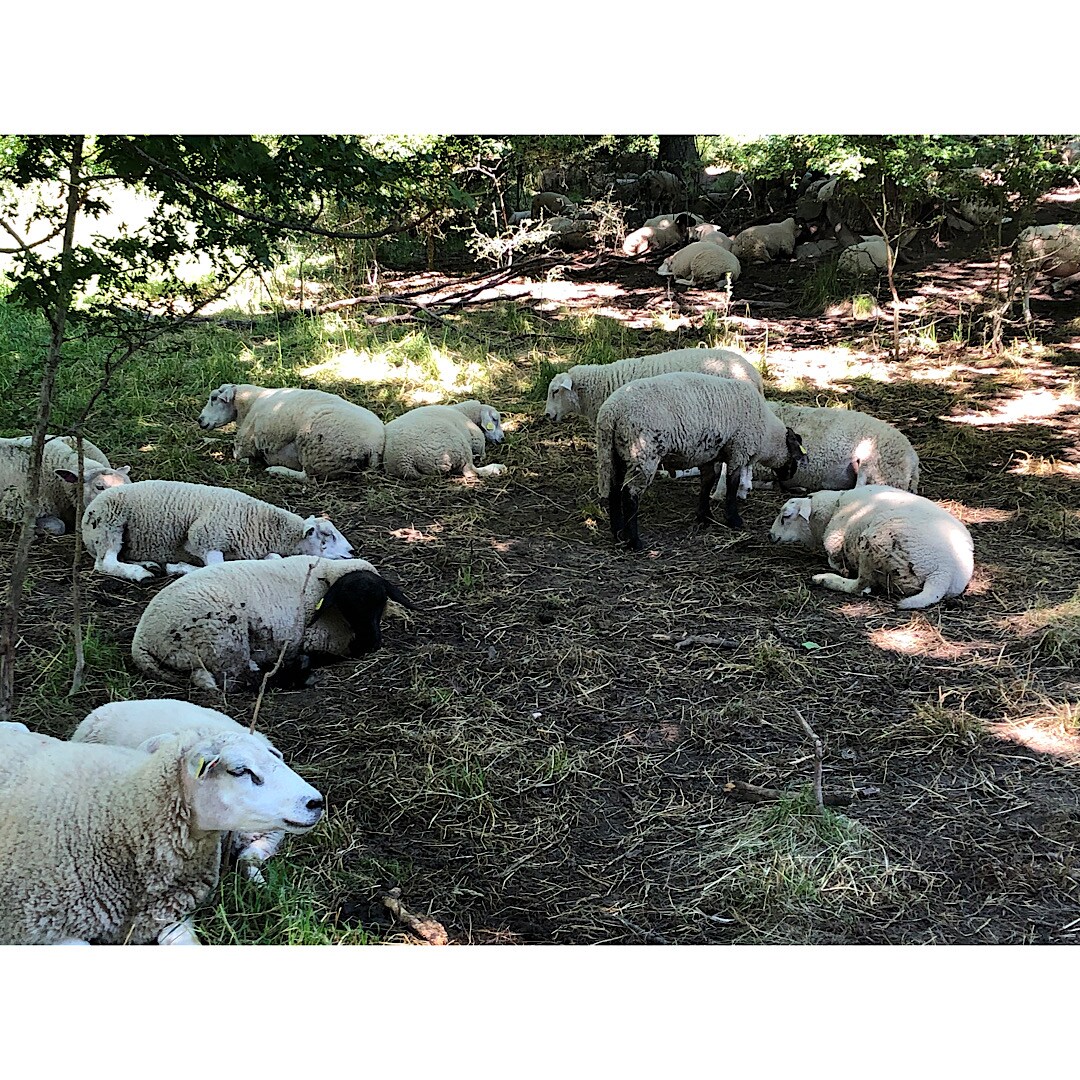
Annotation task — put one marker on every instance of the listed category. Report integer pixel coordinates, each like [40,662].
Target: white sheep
[662,231]
[765,243]
[443,439]
[701,263]
[570,234]
[227,624]
[889,539]
[865,258]
[107,845]
[141,725]
[847,449]
[1049,249]
[58,497]
[710,234]
[583,389]
[161,523]
[297,433]
[683,420]
[551,204]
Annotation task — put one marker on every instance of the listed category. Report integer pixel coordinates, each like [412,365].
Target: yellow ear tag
[802,449]
[318,606]
[489,426]
[200,768]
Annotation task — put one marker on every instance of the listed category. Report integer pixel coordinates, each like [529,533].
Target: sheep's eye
[256,780]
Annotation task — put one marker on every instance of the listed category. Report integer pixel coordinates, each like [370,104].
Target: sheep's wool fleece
[763,243]
[430,440]
[55,497]
[1054,249]
[703,263]
[866,258]
[843,445]
[95,844]
[225,617]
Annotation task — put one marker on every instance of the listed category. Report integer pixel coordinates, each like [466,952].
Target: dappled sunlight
[1025,407]
[921,638]
[1055,732]
[1036,465]
[424,382]
[415,536]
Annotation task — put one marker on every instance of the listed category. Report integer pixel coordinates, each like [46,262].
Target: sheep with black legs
[683,420]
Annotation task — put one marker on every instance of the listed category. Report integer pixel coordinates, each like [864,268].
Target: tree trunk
[677,154]
[9,625]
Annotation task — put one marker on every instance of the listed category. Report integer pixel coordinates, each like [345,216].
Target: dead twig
[429,930]
[752,793]
[262,688]
[698,639]
[818,753]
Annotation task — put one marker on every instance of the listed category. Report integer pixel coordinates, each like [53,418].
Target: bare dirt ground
[532,758]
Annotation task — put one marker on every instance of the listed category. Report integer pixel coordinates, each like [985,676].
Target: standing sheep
[1050,249]
[764,243]
[683,420]
[298,433]
[155,522]
[58,500]
[584,388]
[106,845]
[701,263]
[229,623]
[443,439]
[891,540]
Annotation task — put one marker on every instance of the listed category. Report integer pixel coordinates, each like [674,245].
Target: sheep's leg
[495,469]
[630,517]
[934,589]
[108,563]
[292,474]
[852,586]
[180,933]
[731,509]
[72,941]
[51,524]
[201,679]
[614,495]
[708,480]
[746,481]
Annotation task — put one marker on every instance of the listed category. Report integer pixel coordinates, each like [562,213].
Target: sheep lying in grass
[443,439]
[765,243]
[297,433]
[681,420]
[58,499]
[584,388]
[1046,249]
[107,845]
[143,725]
[662,231]
[846,449]
[155,522]
[891,540]
[701,263]
[710,234]
[228,624]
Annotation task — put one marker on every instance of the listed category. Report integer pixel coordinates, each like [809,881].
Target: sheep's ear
[804,509]
[125,469]
[154,743]
[67,476]
[562,381]
[394,593]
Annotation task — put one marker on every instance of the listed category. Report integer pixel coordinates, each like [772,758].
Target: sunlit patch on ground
[1029,406]
[1056,732]
[921,638]
[424,382]
[1036,465]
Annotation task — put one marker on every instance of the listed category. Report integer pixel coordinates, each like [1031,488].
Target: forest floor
[539,753]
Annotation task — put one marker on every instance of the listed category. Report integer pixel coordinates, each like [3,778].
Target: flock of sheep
[120,833]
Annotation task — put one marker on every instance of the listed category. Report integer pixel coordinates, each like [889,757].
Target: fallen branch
[752,793]
[429,930]
[698,639]
[818,754]
[266,679]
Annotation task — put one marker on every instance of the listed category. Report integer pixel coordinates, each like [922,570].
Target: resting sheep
[584,388]
[659,232]
[551,204]
[1050,249]
[701,263]
[107,845]
[443,439]
[764,243]
[141,725]
[155,522]
[847,449]
[298,433]
[229,623]
[683,420]
[58,498]
[891,540]
[710,234]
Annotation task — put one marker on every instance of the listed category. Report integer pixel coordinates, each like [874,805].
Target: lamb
[155,521]
[583,389]
[229,623]
[442,439]
[681,420]
[58,500]
[710,234]
[296,433]
[847,449]
[108,845]
[660,232]
[764,243]
[144,724]
[701,263]
[1053,249]
[891,540]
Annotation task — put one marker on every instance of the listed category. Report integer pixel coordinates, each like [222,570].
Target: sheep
[764,243]
[892,540]
[229,623]
[701,263]
[442,439]
[155,521]
[680,420]
[865,258]
[551,204]
[109,845]
[1053,249]
[143,725]
[570,234]
[58,496]
[815,248]
[583,389]
[710,234]
[660,232]
[296,433]
[847,449]
[658,187]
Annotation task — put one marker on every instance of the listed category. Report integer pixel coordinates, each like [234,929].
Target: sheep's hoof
[735,522]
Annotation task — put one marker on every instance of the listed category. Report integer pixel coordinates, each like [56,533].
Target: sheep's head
[792,524]
[796,456]
[562,398]
[322,538]
[220,409]
[491,423]
[96,480]
[235,783]
[360,599]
